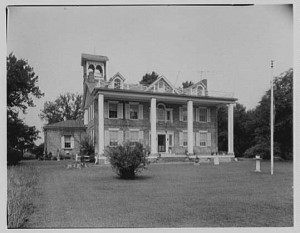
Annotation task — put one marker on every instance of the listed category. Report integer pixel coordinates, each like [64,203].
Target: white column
[230,129]
[190,126]
[100,125]
[153,126]
[85,118]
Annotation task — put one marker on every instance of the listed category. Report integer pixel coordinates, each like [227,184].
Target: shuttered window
[203,114]
[134,111]
[113,138]
[113,110]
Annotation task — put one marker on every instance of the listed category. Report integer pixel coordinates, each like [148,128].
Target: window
[113,110]
[200,90]
[185,138]
[134,111]
[91,69]
[117,83]
[203,114]
[113,136]
[169,115]
[98,70]
[68,141]
[160,113]
[184,114]
[134,137]
[203,138]
[171,140]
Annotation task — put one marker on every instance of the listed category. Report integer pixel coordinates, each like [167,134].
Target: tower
[94,67]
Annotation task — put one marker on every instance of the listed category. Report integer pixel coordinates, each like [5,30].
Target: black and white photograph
[149,115]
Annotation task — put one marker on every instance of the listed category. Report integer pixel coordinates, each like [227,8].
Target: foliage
[21,181]
[13,156]
[187,84]
[252,127]
[21,88]
[127,160]
[87,148]
[21,84]
[66,106]
[241,136]
[149,78]
[38,150]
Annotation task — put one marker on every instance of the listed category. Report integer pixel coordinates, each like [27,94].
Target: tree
[21,84]
[65,106]
[187,84]
[21,88]
[259,122]
[149,78]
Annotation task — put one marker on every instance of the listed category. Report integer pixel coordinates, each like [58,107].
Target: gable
[162,84]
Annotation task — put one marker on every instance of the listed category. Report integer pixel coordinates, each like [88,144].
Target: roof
[166,80]
[117,75]
[66,124]
[91,57]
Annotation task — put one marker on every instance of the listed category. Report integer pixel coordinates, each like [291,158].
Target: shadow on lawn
[137,178]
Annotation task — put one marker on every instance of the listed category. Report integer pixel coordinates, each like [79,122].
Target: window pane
[134,137]
[168,115]
[117,83]
[134,109]
[203,114]
[160,114]
[185,141]
[113,110]
[67,141]
[113,135]
[202,139]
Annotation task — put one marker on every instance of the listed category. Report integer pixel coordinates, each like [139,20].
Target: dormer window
[117,83]
[200,90]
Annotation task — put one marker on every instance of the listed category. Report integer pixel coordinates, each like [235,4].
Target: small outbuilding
[64,138]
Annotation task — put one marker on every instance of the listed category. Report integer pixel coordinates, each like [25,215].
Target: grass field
[228,195]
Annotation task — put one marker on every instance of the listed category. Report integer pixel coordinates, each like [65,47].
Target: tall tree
[149,78]
[187,84]
[21,89]
[66,106]
[283,127]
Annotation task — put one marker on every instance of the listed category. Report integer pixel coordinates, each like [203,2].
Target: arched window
[161,111]
[98,71]
[91,69]
[117,83]
[200,90]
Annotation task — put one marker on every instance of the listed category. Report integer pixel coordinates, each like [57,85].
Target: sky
[229,46]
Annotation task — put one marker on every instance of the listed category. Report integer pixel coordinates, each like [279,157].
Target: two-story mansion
[168,121]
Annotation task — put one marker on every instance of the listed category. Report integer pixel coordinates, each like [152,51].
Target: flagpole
[272,120]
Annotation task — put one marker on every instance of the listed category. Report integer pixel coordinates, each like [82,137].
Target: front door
[161,142]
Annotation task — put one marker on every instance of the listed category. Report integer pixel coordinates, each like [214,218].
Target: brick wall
[53,140]
[176,127]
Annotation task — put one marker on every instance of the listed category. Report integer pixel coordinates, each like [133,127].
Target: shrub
[262,149]
[87,148]
[127,159]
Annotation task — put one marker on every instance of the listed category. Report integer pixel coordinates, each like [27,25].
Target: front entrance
[161,138]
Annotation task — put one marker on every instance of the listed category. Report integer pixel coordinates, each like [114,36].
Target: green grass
[228,195]
[21,181]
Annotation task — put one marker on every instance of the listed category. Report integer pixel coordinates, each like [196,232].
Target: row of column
[154,145]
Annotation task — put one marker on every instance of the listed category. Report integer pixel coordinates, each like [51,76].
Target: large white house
[169,121]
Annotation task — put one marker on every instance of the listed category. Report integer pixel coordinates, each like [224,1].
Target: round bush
[127,159]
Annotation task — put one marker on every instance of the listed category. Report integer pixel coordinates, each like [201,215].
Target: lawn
[228,195]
